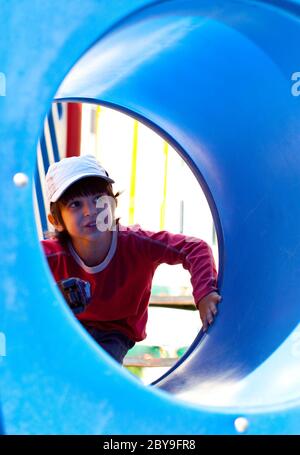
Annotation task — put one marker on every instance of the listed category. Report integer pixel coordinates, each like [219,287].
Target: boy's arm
[195,255]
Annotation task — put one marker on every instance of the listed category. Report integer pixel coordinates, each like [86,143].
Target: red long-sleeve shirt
[121,284]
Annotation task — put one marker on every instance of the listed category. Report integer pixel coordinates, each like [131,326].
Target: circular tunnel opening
[157,191]
[139,77]
[148,67]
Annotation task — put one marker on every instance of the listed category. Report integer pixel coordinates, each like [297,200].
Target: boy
[118,262]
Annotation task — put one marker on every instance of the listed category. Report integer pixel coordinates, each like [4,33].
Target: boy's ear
[54,223]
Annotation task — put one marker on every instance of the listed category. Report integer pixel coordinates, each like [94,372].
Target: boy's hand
[208,308]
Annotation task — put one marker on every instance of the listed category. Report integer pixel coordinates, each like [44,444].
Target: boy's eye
[74,204]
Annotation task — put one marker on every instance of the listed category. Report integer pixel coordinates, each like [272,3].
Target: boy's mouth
[91,224]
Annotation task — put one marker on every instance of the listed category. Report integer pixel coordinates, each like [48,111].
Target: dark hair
[86,186]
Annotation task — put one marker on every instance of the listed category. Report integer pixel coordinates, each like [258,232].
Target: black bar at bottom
[149,444]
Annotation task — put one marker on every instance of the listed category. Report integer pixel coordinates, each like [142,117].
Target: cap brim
[74,179]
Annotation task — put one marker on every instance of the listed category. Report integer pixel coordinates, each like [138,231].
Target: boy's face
[84,216]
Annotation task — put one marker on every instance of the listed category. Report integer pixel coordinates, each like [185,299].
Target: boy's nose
[89,208]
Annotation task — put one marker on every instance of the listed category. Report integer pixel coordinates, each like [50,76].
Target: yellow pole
[163,204]
[133,172]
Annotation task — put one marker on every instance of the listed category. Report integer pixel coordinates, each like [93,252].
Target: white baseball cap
[65,172]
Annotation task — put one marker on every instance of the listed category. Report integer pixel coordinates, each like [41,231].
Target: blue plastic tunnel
[220,81]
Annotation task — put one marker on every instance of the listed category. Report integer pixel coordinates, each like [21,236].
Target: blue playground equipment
[220,81]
